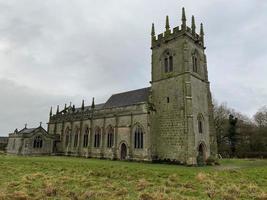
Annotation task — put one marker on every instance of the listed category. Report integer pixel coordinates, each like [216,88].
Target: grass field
[77,178]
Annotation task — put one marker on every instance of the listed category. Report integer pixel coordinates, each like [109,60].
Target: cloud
[55,51]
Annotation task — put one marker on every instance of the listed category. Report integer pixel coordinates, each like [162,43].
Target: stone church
[170,121]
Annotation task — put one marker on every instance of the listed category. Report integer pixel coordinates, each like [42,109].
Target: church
[172,120]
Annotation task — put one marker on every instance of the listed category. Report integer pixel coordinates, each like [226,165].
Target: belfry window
[38,142]
[168,63]
[97,137]
[85,137]
[195,63]
[138,138]
[110,139]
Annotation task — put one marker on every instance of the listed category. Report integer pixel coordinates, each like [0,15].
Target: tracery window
[97,137]
[85,137]
[168,62]
[110,139]
[38,142]
[195,61]
[76,137]
[138,138]
[67,137]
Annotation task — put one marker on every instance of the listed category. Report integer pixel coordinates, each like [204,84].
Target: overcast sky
[59,51]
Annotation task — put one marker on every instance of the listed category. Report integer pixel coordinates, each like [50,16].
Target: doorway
[123,151]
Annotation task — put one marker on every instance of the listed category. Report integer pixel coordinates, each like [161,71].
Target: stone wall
[123,120]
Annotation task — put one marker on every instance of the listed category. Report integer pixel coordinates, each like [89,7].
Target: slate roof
[27,130]
[128,98]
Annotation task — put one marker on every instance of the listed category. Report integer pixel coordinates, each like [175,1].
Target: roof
[27,130]
[30,130]
[128,98]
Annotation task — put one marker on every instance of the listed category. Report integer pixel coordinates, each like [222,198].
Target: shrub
[212,161]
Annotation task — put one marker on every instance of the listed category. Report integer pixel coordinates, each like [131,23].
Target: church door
[123,151]
[201,158]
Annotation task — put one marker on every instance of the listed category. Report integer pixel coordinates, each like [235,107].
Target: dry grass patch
[50,190]
[19,195]
[2,196]
[262,196]
[121,192]
[146,196]
[201,177]
[142,184]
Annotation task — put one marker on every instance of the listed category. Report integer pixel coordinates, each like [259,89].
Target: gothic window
[38,142]
[110,139]
[76,136]
[166,65]
[97,137]
[168,62]
[138,138]
[195,61]
[85,137]
[67,137]
[200,123]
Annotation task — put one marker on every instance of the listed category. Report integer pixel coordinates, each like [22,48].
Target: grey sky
[56,51]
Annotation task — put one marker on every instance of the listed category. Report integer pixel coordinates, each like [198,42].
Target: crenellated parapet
[183,30]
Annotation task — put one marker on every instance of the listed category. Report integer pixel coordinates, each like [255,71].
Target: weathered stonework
[172,120]
[22,142]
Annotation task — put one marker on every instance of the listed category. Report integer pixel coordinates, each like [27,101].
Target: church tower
[182,118]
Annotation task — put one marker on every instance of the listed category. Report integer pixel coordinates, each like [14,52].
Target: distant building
[32,141]
[171,120]
[3,143]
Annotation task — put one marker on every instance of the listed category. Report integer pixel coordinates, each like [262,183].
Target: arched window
[85,137]
[138,138]
[76,136]
[97,137]
[200,121]
[168,62]
[110,139]
[195,61]
[67,137]
[38,142]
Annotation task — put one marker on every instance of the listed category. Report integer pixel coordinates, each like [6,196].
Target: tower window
[195,64]
[168,63]
[200,127]
[168,99]
[200,121]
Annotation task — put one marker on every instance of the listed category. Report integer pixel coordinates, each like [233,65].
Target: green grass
[78,178]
